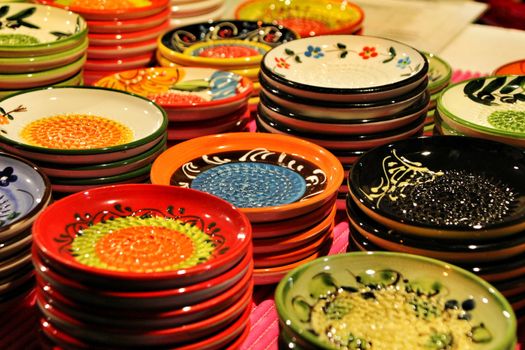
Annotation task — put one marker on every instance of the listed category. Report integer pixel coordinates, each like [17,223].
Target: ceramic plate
[103,39]
[214,15]
[275,176]
[75,80]
[434,303]
[490,105]
[118,26]
[24,192]
[346,68]
[183,88]
[439,72]
[443,187]
[226,233]
[34,30]
[122,50]
[110,65]
[306,17]
[110,9]
[79,120]
[194,8]
[516,67]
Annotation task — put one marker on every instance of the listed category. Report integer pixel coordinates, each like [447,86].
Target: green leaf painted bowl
[393,301]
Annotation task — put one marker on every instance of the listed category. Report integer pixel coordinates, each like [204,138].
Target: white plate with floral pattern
[345,68]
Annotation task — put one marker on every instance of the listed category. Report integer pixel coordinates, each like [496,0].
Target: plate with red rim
[117,26]
[122,50]
[109,39]
[226,229]
[314,174]
[119,64]
[105,10]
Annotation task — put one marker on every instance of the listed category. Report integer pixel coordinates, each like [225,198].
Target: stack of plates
[345,93]
[439,77]
[185,12]
[306,17]
[198,101]
[237,45]
[391,301]
[40,46]
[84,137]
[122,34]
[286,186]
[457,199]
[25,192]
[489,107]
[143,266]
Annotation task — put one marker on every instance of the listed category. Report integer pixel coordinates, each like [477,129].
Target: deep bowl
[443,187]
[269,177]
[24,192]
[328,292]
[219,234]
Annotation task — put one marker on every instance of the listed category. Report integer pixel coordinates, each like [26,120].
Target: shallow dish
[439,72]
[75,80]
[515,67]
[443,187]
[214,15]
[104,10]
[306,17]
[108,39]
[117,26]
[94,113]
[374,279]
[24,192]
[228,229]
[345,68]
[100,181]
[194,8]
[261,163]
[110,65]
[487,107]
[35,30]
[122,50]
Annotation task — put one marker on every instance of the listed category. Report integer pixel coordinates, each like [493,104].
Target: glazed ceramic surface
[214,15]
[108,39]
[439,72]
[75,80]
[494,105]
[117,26]
[79,120]
[24,192]
[34,30]
[104,9]
[443,187]
[306,17]
[403,307]
[215,233]
[183,88]
[118,64]
[275,176]
[516,67]
[345,68]
[122,50]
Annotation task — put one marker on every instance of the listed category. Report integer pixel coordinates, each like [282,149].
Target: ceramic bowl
[14,65]
[376,281]
[186,93]
[194,8]
[119,26]
[342,141]
[306,17]
[110,65]
[439,72]
[35,30]
[24,192]
[327,125]
[453,251]
[486,107]
[75,80]
[95,113]
[29,80]
[214,15]
[261,163]
[514,68]
[206,215]
[15,244]
[122,50]
[103,10]
[140,172]
[345,111]
[345,68]
[110,39]
[443,187]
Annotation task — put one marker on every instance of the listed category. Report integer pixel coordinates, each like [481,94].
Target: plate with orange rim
[110,9]
[199,236]
[79,121]
[515,67]
[269,177]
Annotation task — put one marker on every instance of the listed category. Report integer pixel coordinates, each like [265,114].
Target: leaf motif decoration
[514,84]
[22,14]
[392,52]
[4,10]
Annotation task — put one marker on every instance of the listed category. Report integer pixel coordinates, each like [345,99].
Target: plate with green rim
[439,73]
[492,105]
[33,30]
[75,80]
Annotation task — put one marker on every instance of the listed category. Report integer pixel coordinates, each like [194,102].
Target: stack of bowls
[345,93]
[488,107]
[306,17]
[439,77]
[198,101]
[40,46]
[287,187]
[185,12]
[391,301]
[228,39]
[122,34]
[84,137]
[143,266]
[25,192]
[457,199]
